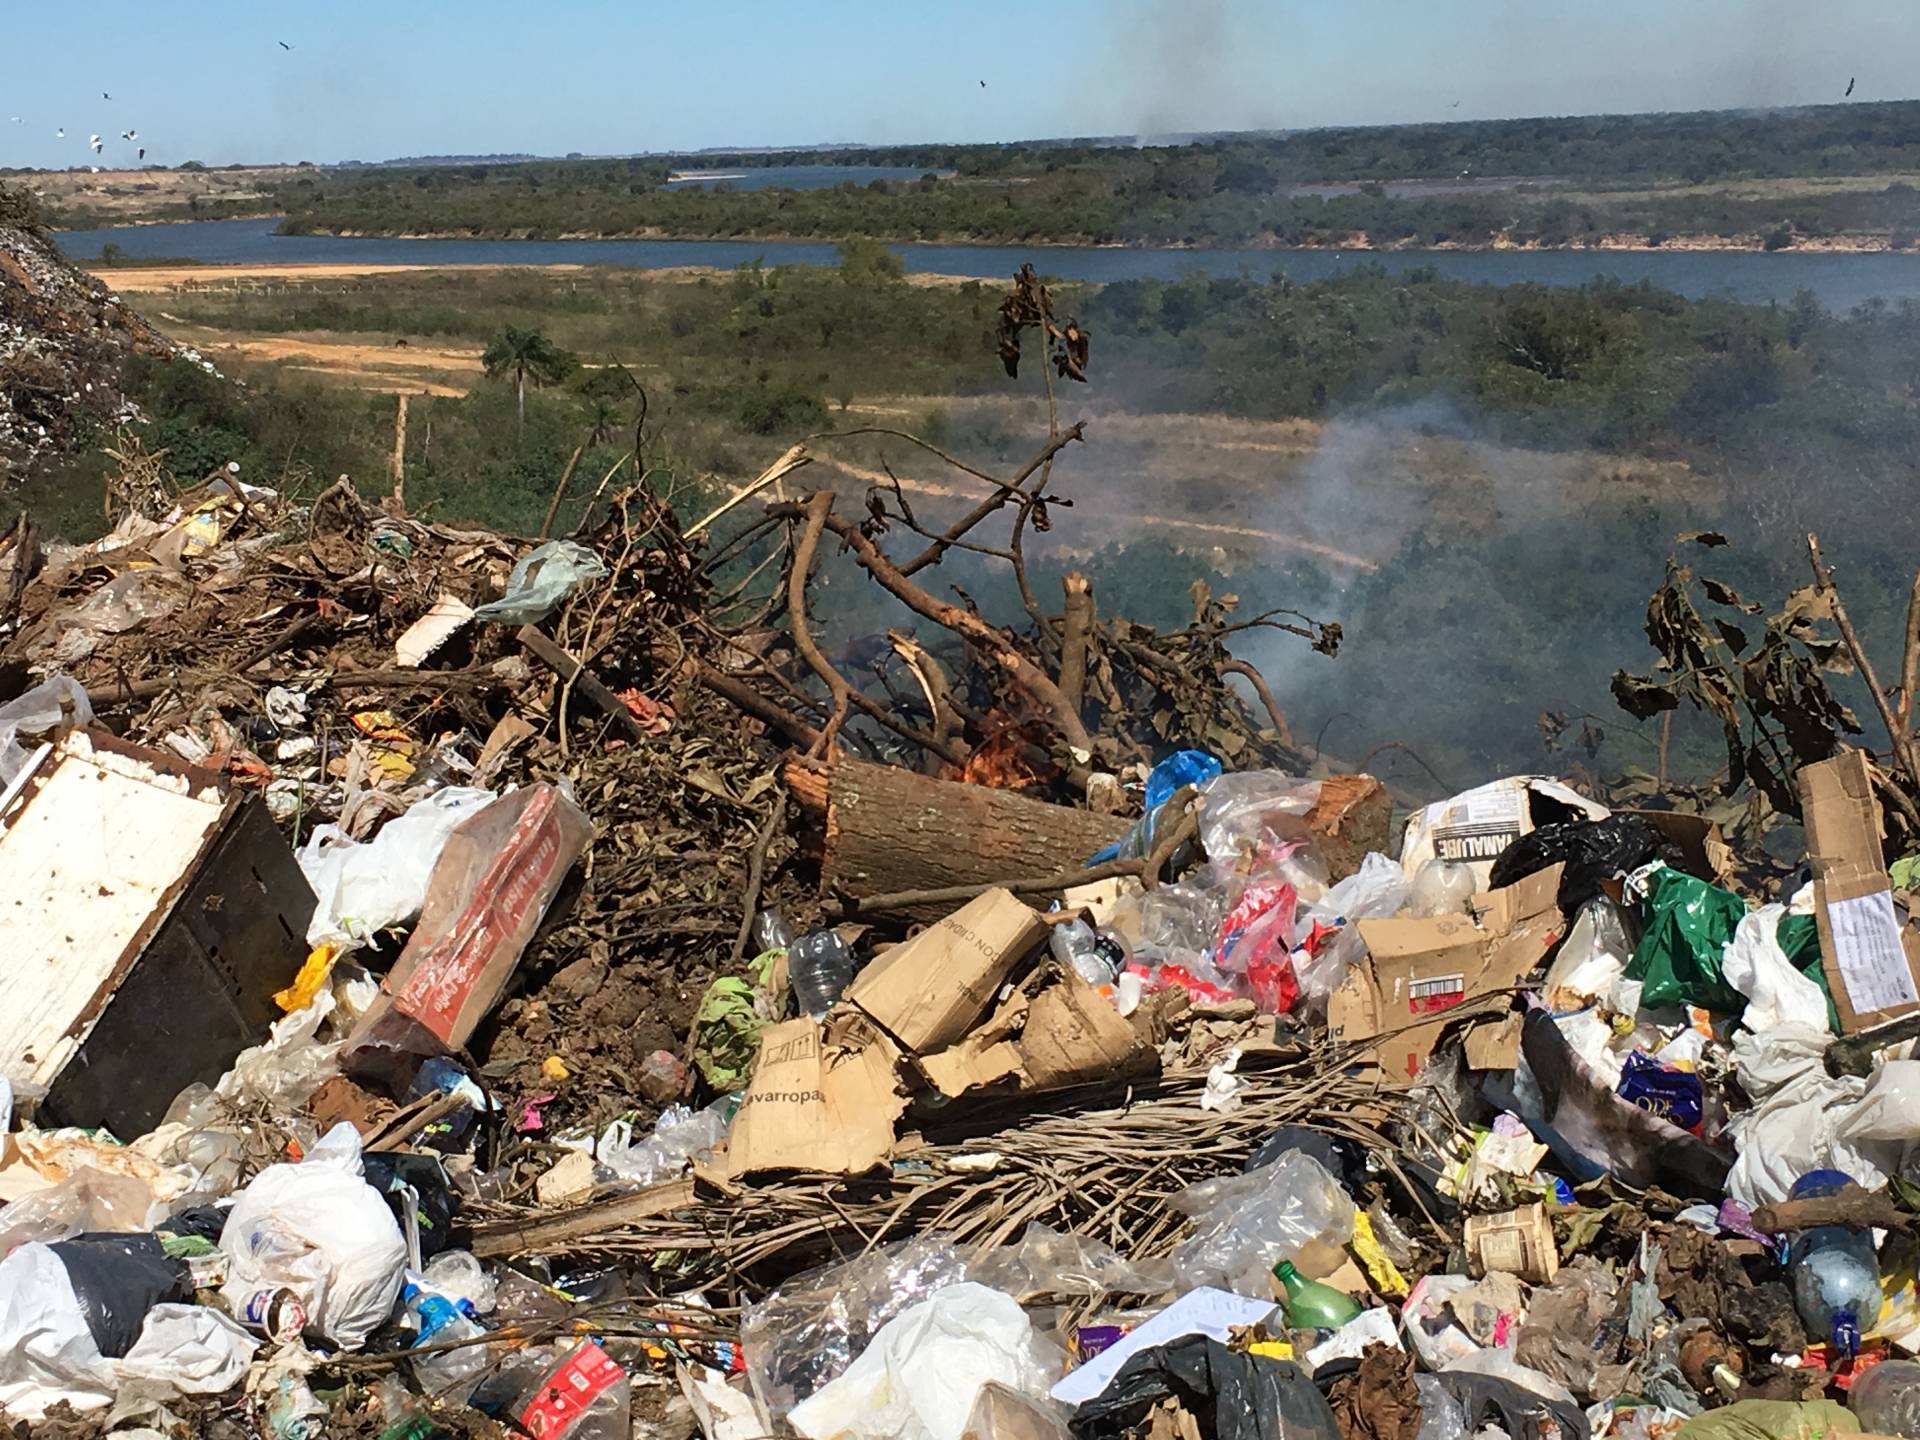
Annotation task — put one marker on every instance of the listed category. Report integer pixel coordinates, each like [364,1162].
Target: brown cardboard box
[1448,968]
[929,991]
[1870,953]
[823,1098]
[1055,1031]
[1475,827]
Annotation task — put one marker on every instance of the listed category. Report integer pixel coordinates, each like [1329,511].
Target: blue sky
[206,80]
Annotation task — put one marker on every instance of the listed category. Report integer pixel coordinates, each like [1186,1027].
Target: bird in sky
[129,134]
[983,84]
[105,96]
[61,133]
[1454,106]
[285,46]
[16,120]
[1850,80]
[141,154]
[96,142]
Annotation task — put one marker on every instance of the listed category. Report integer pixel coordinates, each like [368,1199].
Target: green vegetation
[523,355]
[1787,176]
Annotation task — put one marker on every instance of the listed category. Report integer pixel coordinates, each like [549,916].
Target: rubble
[639,1025]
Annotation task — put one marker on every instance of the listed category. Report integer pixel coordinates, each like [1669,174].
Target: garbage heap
[453,992]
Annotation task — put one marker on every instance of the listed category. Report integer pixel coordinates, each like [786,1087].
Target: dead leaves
[1029,305]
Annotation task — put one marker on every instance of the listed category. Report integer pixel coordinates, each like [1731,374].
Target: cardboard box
[823,1098]
[1054,1032]
[929,991]
[1519,1242]
[1474,827]
[1868,949]
[1449,968]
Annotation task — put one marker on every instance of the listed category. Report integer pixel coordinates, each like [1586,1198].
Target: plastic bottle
[1310,1305]
[771,932]
[1886,1400]
[820,967]
[1095,956]
[1441,887]
[1834,1271]
[446,1374]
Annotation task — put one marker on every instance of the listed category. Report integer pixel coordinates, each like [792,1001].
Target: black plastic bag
[117,1279]
[1344,1159]
[1233,1396]
[1514,1408]
[416,1183]
[1592,850]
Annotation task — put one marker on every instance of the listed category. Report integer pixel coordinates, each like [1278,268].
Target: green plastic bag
[1688,925]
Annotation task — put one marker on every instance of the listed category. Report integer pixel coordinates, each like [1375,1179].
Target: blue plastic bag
[1180,769]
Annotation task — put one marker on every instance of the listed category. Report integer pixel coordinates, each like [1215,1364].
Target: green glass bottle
[1311,1305]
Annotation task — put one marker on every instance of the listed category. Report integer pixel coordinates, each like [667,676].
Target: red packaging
[491,886]
[585,1395]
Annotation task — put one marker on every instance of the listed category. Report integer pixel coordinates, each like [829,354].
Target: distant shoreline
[1359,243]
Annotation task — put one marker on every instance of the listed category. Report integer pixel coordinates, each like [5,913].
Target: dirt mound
[64,344]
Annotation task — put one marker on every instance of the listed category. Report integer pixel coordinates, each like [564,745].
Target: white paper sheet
[1866,944]
[1205,1311]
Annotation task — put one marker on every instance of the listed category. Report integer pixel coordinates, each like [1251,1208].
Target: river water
[1841,281]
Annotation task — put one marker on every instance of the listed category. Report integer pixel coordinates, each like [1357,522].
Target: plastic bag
[1234,1396]
[1441,1416]
[920,1376]
[1243,1224]
[1002,1413]
[807,1332]
[116,1280]
[1593,851]
[47,1351]
[1046,1262]
[1378,890]
[319,1230]
[361,889]
[193,1348]
[1493,1388]
[283,1073]
[539,581]
[1796,1123]
[1255,809]
[586,1396]
[1427,1317]
[1564,1325]
[1771,1420]
[1680,960]
[680,1136]
[1180,769]
[88,1200]
[56,701]
[1594,957]
[1779,987]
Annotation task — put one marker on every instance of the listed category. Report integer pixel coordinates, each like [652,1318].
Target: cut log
[1353,816]
[885,829]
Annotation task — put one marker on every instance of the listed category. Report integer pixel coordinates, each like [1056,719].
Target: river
[1840,281]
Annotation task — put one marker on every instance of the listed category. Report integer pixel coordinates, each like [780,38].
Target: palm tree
[526,355]
[605,417]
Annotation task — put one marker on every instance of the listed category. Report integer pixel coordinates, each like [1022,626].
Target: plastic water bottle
[1834,1271]
[446,1374]
[1094,956]
[819,967]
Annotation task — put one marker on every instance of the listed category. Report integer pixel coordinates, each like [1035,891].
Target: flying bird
[61,133]
[983,84]
[285,46]
[96,142]
[129,134]
[1454,106]
[1850,80]
[105,96]
[141,154]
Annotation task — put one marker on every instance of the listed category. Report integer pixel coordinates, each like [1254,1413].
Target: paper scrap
[1866,943]
[1205,1311]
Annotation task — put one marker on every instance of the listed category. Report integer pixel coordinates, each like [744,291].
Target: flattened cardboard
[817,1104]
[1449,968]
[930,990]
[1869,952]
[1704,852]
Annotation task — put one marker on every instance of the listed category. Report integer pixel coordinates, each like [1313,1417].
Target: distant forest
[1837,175]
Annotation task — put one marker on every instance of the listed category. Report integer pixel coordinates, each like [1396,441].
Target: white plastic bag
[1755,965]
[361,889]
[1796,1121]
[919,1377]
[193,1348]
[540,580]
[1250,810]
[1242,1224]
[47,1352]
[319,1230]
[283,1072]
[1595,955]
[1378,890]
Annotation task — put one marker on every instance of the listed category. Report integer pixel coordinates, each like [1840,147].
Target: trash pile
[64,343]
[462,986]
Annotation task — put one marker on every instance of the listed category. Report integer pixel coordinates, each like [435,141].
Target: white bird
[143,153]
[129,134]
[61,133]
[96,142]
[16,119]
[105,96]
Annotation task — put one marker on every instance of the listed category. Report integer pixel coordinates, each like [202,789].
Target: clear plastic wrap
[1046,1262]
[1243,813]
[807,1332]
[1244,1224]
